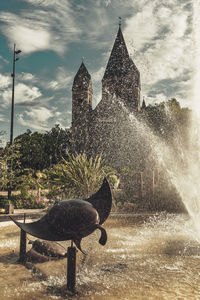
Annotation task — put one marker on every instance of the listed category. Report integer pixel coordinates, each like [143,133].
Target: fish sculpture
[73,219]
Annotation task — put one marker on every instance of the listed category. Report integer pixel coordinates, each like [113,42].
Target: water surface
[146,257]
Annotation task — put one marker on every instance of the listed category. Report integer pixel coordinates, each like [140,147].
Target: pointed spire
[82,73]
[121,77]
[119,61]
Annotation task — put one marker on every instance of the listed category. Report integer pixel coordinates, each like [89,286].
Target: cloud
[54,24]
[4,60]
[41,114]
[27,77]
[2,119]
[48,25]
[63,80]
[98,75]
[27,38]
[5,81]
[24,94]
[38,118]
[159,39]
[157,34]
[142,27]
[28,34]
[196,57]
[107,2]
[160,97]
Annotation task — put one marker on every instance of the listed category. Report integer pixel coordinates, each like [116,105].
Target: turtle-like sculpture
[73,219]
[43,251]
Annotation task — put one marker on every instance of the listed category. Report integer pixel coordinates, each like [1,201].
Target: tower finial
[120,21]
[82,59]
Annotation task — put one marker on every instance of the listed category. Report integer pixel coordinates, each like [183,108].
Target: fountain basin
[147,256]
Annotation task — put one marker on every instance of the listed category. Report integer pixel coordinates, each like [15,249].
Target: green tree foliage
[31,182]
[79,176]
[2,133]
[32,150]
[41,150]
[58,144]
[29,187]
[10,167]
[167,119]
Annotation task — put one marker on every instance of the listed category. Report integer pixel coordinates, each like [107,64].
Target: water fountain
[148,256]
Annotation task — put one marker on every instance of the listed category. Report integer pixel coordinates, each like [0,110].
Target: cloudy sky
[54,35]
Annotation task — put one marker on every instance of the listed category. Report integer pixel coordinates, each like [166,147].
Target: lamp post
[15,52]
[13,92]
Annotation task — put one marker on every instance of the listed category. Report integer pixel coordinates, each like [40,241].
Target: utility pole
[13,92]
[15,52]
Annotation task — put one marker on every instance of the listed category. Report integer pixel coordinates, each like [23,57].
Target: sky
[56,35]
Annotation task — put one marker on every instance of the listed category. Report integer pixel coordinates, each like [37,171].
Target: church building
[114,128]
[101,129]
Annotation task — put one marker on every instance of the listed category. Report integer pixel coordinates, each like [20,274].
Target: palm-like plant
[79,176]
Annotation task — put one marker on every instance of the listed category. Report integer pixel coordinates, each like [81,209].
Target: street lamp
[15,52]
[13,92]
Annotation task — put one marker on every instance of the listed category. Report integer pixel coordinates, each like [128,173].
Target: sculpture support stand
[22,251]
[71,268]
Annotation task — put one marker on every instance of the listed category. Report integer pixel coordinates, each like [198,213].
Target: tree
[30,184]
[2,133]
[58,144]
[32,150]
[10,167]
[167,119]
[42,150]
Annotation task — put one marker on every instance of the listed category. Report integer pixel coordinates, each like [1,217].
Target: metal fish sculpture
[73,219]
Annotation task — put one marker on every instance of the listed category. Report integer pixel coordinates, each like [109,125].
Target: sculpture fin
[102,201]
[77,242]
[103,238]
[41,229]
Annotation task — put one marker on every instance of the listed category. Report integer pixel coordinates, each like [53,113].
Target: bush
[28,202]
[79,176]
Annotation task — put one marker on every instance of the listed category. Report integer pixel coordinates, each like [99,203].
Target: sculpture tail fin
[103,238]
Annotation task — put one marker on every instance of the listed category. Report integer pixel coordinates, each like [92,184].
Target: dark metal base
[71,268]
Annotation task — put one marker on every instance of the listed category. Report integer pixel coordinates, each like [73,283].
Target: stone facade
[101,129]
[81,109]
[121,77]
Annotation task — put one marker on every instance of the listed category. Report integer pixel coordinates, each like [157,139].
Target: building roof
[82,73]
[119,63]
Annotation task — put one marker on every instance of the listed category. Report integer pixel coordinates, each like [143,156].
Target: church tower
[121,77]
[81,109]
